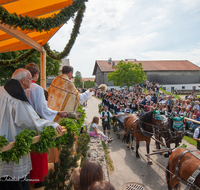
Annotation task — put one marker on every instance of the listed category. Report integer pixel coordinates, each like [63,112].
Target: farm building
[170,74]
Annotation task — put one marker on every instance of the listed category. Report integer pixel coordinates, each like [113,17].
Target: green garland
[23,141]
[19,59]
[22,146]
[53,55]
[42,24]
[74,34]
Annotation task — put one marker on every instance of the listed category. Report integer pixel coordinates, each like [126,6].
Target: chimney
[113,64]
[130,59]
[110,60]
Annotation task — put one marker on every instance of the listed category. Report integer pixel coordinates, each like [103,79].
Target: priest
[17,114]
[63,96]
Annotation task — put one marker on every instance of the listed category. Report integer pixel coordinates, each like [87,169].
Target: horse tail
[177,186]
[124,138]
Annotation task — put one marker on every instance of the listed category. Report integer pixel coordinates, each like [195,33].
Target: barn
[182,75]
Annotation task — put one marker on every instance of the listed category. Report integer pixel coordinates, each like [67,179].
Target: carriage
[118,122]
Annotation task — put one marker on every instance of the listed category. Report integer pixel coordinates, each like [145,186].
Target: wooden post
[43,68]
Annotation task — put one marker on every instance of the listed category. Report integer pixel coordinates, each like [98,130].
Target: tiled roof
[163,65]
[85,79]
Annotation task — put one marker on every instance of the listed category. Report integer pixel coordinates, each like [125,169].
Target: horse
[170,133]
[141,128]
[183,165]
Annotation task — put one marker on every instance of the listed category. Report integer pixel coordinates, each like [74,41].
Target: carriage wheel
[116,128]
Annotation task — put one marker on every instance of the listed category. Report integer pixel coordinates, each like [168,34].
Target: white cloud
[141,29]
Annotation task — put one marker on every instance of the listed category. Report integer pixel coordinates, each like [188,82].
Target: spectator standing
[196,137]
[170,102]
[154,99]
[196,105]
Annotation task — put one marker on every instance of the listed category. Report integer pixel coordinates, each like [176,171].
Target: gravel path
[128,168]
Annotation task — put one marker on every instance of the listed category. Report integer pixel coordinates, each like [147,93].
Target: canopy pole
[43,68]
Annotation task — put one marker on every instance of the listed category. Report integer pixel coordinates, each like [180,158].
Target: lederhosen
[106,124]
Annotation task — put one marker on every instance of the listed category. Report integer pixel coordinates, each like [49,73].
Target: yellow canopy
[13,40]
[16,39]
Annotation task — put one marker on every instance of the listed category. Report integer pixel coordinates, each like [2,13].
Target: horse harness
[131,127]
[190,182]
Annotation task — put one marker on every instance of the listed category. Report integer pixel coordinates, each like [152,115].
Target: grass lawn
[190,140]
[107,156]
[169,93]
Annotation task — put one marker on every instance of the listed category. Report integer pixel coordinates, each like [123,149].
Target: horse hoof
[137,156]
[150,162]
[166,155]
[132,148]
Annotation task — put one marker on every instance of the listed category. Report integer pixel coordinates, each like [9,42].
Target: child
[127,110]
[95,133]
[196,105]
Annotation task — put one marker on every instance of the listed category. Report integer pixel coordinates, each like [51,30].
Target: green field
[190,140]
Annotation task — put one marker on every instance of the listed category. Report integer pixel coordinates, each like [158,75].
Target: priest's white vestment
[15,115]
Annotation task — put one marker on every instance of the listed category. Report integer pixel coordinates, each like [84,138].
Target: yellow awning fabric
[13,40]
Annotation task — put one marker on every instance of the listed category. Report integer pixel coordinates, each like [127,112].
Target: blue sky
[137,29]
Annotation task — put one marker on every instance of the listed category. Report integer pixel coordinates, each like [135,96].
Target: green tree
[89,84]
[52,66]
[78,79]
[127,74]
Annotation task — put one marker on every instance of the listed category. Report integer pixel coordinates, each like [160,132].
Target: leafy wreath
[74,34]
[23,141]
[19,59]
[12,20]
[42,24]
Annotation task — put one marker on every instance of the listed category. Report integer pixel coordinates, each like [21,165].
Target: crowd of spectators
[131,101]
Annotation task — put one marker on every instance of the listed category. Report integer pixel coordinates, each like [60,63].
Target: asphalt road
[128,168]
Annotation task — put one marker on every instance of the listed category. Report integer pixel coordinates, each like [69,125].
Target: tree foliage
[78,80]
[89,84]
[127,74]
[52,66]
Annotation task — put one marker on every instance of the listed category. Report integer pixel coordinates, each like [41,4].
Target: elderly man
[170,102]
[35,95]
[17,114]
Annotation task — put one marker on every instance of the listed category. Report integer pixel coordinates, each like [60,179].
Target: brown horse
[189,163]
[141,129]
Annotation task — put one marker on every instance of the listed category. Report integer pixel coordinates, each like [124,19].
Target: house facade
[170,74]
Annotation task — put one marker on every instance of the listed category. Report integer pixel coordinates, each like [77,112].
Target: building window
[183,87]
[194,88]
